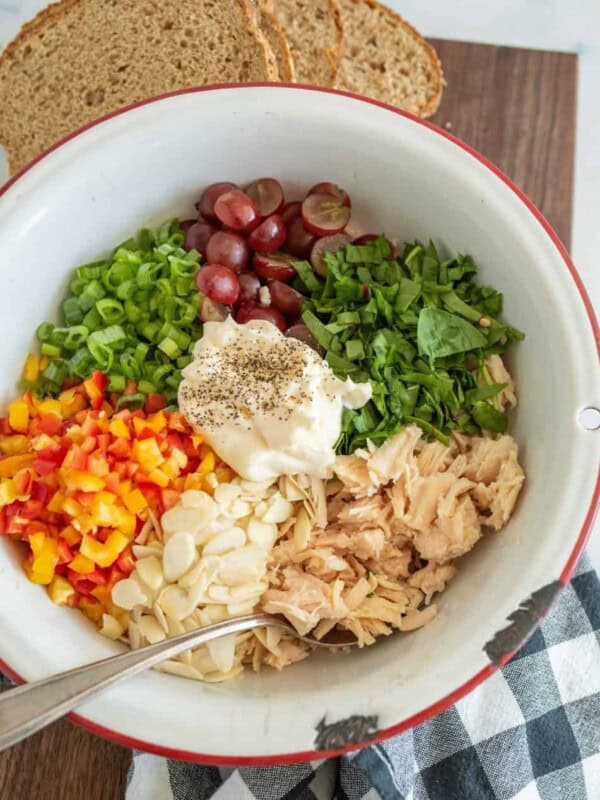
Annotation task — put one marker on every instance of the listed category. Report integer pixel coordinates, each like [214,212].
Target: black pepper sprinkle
[238,382]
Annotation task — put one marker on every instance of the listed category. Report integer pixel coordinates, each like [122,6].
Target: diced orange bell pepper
[135,501]
[224,474]
[197,439]
[31,369]
[82,480]
[82,564]
[45,558]
[50,407]
[147,454]
[10,465]
[18,416]
[70,535]
[104,554]
[60,591]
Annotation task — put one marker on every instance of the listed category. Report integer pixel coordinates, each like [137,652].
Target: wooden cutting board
[515,106]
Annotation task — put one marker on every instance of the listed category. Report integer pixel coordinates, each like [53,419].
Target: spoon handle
[32,706]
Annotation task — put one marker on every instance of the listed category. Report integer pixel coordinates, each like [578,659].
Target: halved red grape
[186,224]
[324,214]
[333,189]
[275,266]
[249,286]
[210,311]
[249,312]
[229,249]
[327,244]
[267,195]
[236,210]
[219,283]
[286,299]
[299,241]
[197,236]
[206,204]
[291,210]
[301,332]
[269,236]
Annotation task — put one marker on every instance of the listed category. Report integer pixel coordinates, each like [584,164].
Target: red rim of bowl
[479,677]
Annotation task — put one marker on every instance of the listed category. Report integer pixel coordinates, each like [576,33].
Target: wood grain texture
[517,107]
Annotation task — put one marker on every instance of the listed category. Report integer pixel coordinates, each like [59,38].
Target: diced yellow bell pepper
[8,492]
[102,594]
[56,505]
[103,508]
[157,422]
[31,369]
[76,479]
[85,523]
[82,564]
[60,590]
[13,445]
[10,465]
[159,477]
[42,441]
[71,401]
[70,535]
[71,507]
[44,361]
[119,428]
[197,439]
[91,608]
[147,453]
[125,521]
[104,554]
[171,467]
[135,501]
[50,407]
[45,558]
[18,416]
[207,464]
[180,457]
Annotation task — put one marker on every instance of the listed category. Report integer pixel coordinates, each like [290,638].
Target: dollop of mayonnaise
[268,405]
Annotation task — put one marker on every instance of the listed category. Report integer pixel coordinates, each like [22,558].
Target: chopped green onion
[50,350]
[169,347]
[110,310]
[116,383]
[44,331]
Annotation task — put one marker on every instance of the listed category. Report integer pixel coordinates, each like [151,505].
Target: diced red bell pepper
[169,498]
[99,576]
[155,402]
[43,466]
[54,452]
[103,440]
[79,458]
[31,509]
[112,482]
[130,388]
[65,554]
[115,575]
[89,444]
[23,481]
[100,380]
[41,492]
[126,562]
[121,448]
[5,428]
[50,424]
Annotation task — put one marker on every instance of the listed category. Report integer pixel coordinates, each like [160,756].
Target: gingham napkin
[530,732]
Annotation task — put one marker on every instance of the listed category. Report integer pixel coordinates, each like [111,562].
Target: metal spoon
[32,706]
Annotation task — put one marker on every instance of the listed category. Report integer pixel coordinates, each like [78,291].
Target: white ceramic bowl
[413,181]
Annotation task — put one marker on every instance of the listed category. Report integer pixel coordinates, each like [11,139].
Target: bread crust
[432,105]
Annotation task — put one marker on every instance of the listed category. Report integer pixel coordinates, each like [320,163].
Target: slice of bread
[80,59]
[387,59]
[315,33]
[279,45]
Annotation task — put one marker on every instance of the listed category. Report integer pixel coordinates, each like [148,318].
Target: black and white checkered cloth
[530,732]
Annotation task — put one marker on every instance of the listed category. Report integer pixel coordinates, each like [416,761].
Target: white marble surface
[572,26]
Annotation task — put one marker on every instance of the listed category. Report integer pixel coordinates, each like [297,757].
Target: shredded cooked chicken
[396,518]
